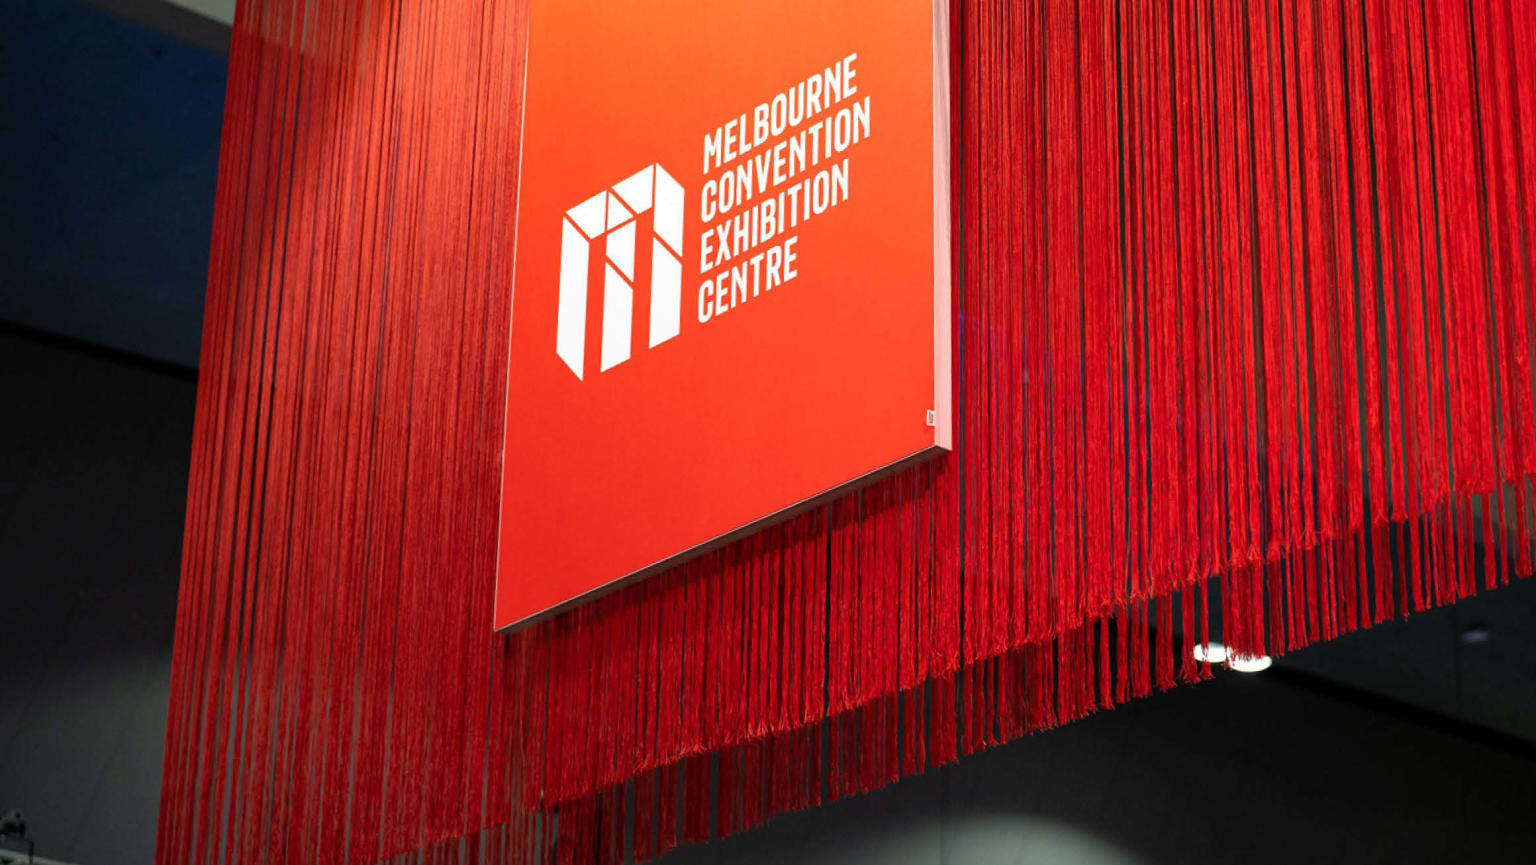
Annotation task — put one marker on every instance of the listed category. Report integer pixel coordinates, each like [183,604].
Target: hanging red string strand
[1244,322]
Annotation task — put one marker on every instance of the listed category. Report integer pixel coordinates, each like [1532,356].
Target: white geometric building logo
[611,216]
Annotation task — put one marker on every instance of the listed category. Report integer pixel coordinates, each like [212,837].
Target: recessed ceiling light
[1210,653]
[1249,663]
[1475,635]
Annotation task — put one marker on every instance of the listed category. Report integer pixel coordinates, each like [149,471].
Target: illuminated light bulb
[1249,663]
[1210,653]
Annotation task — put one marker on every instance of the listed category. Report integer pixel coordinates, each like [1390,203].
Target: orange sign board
[731,287]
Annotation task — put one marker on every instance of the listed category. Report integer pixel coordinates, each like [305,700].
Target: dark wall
[93,473]
[109,147]
[93,456]
[1244,770]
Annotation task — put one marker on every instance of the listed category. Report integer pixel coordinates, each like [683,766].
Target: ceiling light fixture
[1249,663]
[1210,653]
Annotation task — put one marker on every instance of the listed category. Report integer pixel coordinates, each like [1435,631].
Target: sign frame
[939,416]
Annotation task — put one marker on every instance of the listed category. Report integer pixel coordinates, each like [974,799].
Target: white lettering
[704,294]
[783,111]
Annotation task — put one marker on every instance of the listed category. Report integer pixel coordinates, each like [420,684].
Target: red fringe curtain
[1244,321]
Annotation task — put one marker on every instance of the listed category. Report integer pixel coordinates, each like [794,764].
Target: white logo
[611,215]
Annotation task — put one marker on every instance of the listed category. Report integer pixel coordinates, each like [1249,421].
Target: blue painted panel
[109,138]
